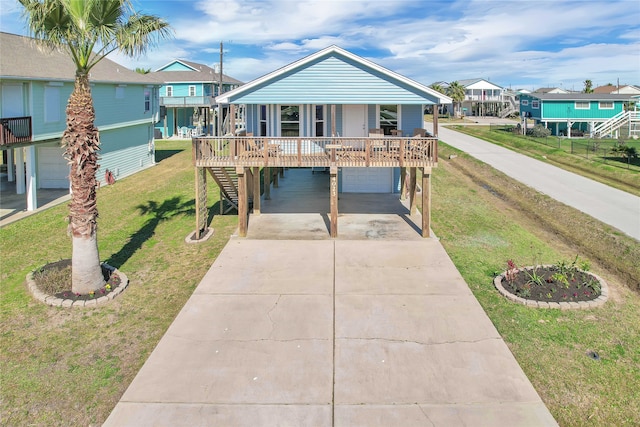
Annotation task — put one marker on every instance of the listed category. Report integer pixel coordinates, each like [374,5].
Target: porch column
[267,182]
[426,202]
[403,183]
[32,197]
[436,108]
[333,120]
[202,214]
[232,119]
[10,167]
[256,190]
[243,211]
[333,185]
[412,191]
[275,178]
[20,171]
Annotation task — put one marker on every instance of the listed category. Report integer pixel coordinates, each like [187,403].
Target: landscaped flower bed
[561,285]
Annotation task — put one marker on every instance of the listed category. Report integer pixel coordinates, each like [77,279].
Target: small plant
[593,284]
[525,292]
[549,295]
[511,272]
[561,279]
[534,277]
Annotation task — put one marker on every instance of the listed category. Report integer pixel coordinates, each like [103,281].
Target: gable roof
[477,84]
[191,72]
[315,77]
[550,90]
[617,89]
[22,58]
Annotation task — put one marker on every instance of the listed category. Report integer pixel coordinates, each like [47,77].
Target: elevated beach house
[333,110]
[34,88]
[579,114]
[187,97]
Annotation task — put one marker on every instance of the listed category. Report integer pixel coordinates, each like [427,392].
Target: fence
[600,151]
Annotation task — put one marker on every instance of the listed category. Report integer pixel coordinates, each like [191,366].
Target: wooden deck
[248,151]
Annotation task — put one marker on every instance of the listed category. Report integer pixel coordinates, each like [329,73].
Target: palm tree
[88,30]
[588,86]
[456,92]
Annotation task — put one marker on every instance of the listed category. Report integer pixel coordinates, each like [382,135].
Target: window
[147,100]
[290,120]
[583,105]
[120,92]
[319,120]
[535,104]
[51,104]
[605,105]
[388,118]
[524,102]
[263,120]
[169,90]
[192,91]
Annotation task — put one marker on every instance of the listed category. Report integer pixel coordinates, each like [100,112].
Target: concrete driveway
[609,205]
[374,330]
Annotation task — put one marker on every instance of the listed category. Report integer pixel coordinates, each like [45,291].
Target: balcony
[249,151]
[186,101]
[15,130]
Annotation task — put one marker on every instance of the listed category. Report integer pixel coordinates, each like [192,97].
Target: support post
[333,185]
[232,119]
[243,211]
[426,202]
[256,190]
[32,197]
[282,171]
[412,191]
[267,182]
[201,202]
[20,183]
[275,178]
[10,167]
[403,183]
[436,108]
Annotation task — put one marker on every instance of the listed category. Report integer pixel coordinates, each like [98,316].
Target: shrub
[539,131]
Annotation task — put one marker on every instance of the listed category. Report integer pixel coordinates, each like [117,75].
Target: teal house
[187,98]
[573,114]
[34,88]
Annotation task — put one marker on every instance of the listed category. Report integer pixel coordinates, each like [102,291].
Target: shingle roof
[22,58]
[200,73]
[580,96]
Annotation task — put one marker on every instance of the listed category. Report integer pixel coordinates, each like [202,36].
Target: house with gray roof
[35,85]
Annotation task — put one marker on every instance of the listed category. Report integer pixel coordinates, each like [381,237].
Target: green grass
[481,229]
[558,152]
[70,367]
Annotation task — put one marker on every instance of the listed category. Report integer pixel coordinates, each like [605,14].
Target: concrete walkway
[609,205]
[374,330]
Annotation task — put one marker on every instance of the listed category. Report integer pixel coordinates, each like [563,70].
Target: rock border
[563,305]
[67,302]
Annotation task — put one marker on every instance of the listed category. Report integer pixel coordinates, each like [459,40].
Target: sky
[517,44]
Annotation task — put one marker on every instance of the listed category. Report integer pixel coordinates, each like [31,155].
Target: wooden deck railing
[315,152]
[15,130]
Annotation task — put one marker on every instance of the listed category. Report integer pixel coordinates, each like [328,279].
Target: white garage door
[366,180]
[53,171]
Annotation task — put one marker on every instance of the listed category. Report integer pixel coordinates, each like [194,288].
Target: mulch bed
[547,283]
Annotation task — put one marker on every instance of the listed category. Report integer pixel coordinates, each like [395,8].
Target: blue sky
[515,43]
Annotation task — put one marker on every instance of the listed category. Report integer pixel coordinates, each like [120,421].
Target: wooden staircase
[227,181]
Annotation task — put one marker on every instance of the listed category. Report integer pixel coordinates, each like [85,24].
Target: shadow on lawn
[165,154]
[159,213]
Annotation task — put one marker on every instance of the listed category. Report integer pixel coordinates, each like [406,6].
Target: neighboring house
[574,114]
[186,97]
[622,89]
[550,90]
[35,85]
[330,109]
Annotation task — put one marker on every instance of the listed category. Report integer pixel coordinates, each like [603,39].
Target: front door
[354,120]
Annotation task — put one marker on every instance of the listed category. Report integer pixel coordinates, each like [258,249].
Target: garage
[367,180]
[53,171]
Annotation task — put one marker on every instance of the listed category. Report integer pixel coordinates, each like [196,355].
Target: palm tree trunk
[81,141]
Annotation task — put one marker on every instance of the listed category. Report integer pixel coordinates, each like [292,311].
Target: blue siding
[125,151]
[176,66]
[411,117]
[334,80]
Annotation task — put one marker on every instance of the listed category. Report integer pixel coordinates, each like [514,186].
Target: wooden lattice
[202,213]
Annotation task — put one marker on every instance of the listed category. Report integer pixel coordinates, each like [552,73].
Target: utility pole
[220,93]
